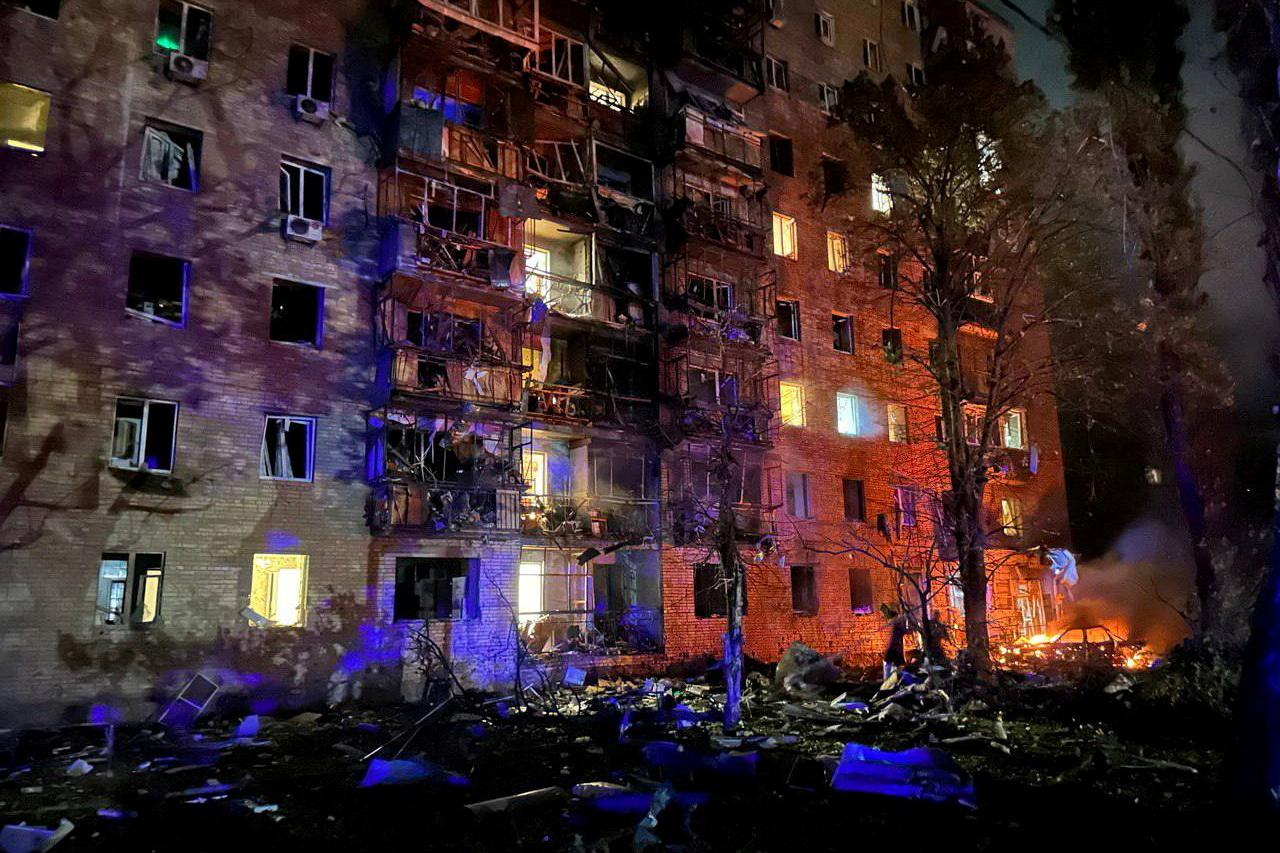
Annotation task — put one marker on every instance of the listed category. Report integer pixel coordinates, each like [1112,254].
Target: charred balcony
[586,489]
[581,378]
[717,45]
[703,484]
[726,211]
[725,396]
[574,276]
[730,304]
[512,22]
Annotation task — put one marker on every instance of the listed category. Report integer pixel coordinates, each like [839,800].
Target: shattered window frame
[15,280]
[271,466]
[132,579]
[562,57]
[711,591]
[161,140]
[911,15]
[789,327]
[408,588]
[297,188]
[1012,517]
[24,117]
[828,98]
[136,291]
[137,433]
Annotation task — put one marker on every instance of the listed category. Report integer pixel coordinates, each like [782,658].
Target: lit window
[310,73]
[1011,517]
[871,54]
[157,287]
[881,198]
[824,27]
[797,496]
[842,333]
[1013,429]
[784,235]
[183,28]
[788,318]
[911,15]
[279,592]
[791,396]
[171,155]
[288,448]
[848,414]
[24,117]
[828,98]
[896,418]
[304,190]
[776,74]
[144,435]
[142,597]
[837,252]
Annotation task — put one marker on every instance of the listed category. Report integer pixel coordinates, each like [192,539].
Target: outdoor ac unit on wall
[302,229]
[307,108]
[187,69]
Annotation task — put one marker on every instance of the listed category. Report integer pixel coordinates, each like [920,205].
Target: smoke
[1138,588]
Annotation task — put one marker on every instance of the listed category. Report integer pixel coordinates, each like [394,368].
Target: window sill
[303,345]
[142,315]
[299,480]
[162,185]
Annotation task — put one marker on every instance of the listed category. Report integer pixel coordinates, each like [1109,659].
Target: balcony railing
[588,516]
[707,224]
[691,520]
[722,139]
[453,376]
[468,147]
[445,252]
[559,161]
[442,510]
[515,21]
[745,422]
[576,405]
[572,297]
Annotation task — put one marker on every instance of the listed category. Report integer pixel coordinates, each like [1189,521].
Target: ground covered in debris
[1040,763]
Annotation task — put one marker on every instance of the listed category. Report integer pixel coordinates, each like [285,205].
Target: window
[436,588]
[911,15]
[278,595]
[171,155]
[563,58]
[43,8]
[837,252]
[24,117]
[776,74]
[891,342]
[620,171]
[711,591]
[824,27]
[791,397]
[304,190]
[713,387]
[881,198]
[804,591]
[797,497]
[144,435]
[143,595]
[861,597]
[310,73]
[183,28]
[297,312]
[15,257]
[1011,517]
[955,596]
[887,270]
[788,311]
[781,155]
[288,448]
[828,98]
[848,414]
[842,333]
[915,74]
[709,294]
[896,420]
[904,506]
[158,287]
[871,54]
[855,501]
[1013,432]
[784,235]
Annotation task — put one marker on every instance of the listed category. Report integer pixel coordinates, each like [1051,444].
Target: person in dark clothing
[895,651]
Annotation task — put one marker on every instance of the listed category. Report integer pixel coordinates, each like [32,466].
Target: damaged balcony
[722,302]
[726,211]
[564,270]
[443,476]
[581,489]
[590,603]
[699,488]
[721,47]
[577,377]
[515,22]
[721,136]
[725,397]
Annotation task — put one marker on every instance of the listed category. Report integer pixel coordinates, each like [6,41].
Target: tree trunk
[1191,499]
[973,582]
[733,569]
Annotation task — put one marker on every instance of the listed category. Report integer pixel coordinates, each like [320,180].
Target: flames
[1077,645]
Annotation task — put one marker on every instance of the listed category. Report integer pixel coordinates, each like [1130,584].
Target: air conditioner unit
[187,69]
[302,229]
[309,109]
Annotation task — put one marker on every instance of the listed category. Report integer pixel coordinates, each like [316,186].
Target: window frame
[320,303]
[828,98]
[797,490]
[311,425]
[839,253]
[795,330]
[805,600]
[777,73]
[134,589]
[181,49]
[870,51]
[911,15]
[303,169]
[857,606]
[1012,517]
[143,429]
[470,591]
[312,53]
[1020,414]
[839,321]
[887,268]
[852,403]
[195,171]
[881,194]
[790,171]
[271,620]
[785,236]
[904,436]
[795,392]
[24,274]
[186,289]
[824,27]
[915,74]
[858,512]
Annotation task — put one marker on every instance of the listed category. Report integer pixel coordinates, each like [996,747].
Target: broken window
[896,420]
[881,196]
[798,505]
[713,387]
[804,590]
[15,256]
[842,333]
[304,190]
[871,54]
[711,591]
[183,28]
[838,259]
[24,117]
[911,15]
[43,8]
[891,341]
[1011,523]
[620,171]
[296,313]
[781,154]
[619,475]
[855,504]
[915,74]
[1013,432]
[828,98]
[116,593]
[791,408]
[145,435]
[904,506]
[824,27]
[784,235]
[848,414]
[708,294]
[562,57]
[288,447]
[171,155]
[158,287]
[278,595]
[887,270]
[436,588]
[310,73]
[788,314]
[776,73]
[861,596]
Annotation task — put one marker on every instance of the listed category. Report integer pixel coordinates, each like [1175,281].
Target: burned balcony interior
[483,28]
[573,275]
[443,475]
[726,395]
[701,480]
[724,209]
[726,301]
[580,376]
[716,45]
[583,488]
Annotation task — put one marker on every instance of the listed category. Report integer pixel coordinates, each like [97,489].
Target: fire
[1075,645]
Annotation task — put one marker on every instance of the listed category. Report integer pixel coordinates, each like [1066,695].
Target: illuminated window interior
[792,403]
[279,588]
[24,117]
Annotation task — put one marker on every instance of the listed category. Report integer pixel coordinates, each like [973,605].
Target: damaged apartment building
[324,327]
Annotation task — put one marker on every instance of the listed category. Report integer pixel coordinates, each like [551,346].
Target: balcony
[570,404]
[425,373]
[691,519]
[743,422]
[715,226]
[588,517]
[565,162]
[722,139]
[443,510]
[513,21]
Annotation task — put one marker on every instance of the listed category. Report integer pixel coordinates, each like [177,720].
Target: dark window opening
[842,333]
[304,190]
[711,591]
[624,173]
[144,435]
[781,155]
[861,597]
[158,287]
[435,588]
[835,177]
[43,8]
[183,28]
[855,502]
[310,73]
[891,340]
[15,254]
[789,319]
[708,294]
[887,271]
[171,155]
[804,590]
[296,311]
[287,448]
